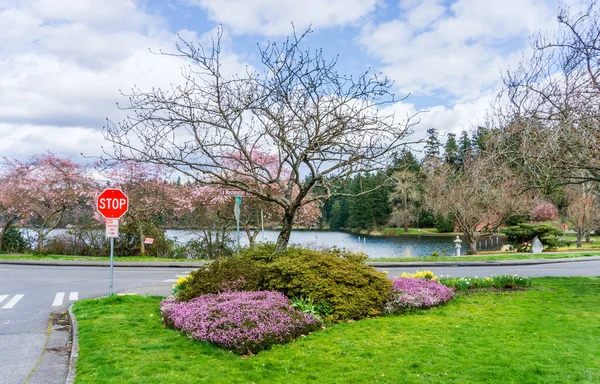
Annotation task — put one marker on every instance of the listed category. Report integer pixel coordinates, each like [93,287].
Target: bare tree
[550,127]
[403,198]
[583,210]
[316,125]
[478,198]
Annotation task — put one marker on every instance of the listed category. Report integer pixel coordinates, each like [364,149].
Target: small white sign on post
[112,228]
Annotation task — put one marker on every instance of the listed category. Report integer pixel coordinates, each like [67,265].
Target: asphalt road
[29,294]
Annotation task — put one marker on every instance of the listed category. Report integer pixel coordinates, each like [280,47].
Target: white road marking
[58,299]
[12,302]
[3,297]
[74,296]
[170,281]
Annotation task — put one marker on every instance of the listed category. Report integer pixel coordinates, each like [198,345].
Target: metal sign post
[112,203]
[112,256]
[262,225]
[236,211]
[112,231]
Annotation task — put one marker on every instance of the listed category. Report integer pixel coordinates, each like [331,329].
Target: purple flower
[410,293]
[239,321]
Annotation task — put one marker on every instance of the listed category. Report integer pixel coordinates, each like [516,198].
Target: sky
[63,63]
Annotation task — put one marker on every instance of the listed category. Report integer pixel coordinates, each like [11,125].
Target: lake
[373,246]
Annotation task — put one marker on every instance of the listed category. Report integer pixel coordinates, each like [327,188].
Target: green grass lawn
[480,257]
[547,334]
[91,258]
[490,257]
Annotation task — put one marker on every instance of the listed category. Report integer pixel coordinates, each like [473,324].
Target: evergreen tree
[372,209]
[464,147]
[479,138]
[338,214]
[451,150]
[432,144]
[406,161]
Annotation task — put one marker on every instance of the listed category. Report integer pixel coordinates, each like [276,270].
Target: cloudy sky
[63,62]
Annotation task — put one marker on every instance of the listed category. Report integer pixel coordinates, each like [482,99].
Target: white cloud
[455,119]
[455,50]
[63,63]
[274,17]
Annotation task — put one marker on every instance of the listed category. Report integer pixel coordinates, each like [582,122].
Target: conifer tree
[451,150]
[432,144]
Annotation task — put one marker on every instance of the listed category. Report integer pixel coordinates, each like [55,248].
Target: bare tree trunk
[472,238]
[579,238]
[40,241]
[5,228]
[141,236]
[587,237]
[251,234]
[284,236]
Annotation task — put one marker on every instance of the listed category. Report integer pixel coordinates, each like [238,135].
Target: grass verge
[453,259]
[93,258]
[491,257]
[548,334]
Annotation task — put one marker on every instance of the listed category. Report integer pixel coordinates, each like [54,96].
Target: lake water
[373,246]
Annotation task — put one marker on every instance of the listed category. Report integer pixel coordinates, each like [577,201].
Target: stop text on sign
[112,203]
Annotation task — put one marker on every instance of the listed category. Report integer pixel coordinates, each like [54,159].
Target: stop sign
[112,203]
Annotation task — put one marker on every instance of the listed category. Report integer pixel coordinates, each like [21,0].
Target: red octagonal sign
[112,203]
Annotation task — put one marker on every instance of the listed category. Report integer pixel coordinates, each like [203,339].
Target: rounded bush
[244,322]
[354,290]
[410,293]
[232,274]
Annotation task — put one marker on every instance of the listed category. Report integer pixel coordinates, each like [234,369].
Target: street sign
[112,203]
[236,211]
[112,228]
[236,192]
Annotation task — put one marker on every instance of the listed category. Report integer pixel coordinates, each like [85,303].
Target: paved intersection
[30,293]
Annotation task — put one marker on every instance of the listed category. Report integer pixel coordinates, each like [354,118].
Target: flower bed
[244,322]
[411,293]
[496,281]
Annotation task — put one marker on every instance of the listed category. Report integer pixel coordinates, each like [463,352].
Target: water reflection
[373,246]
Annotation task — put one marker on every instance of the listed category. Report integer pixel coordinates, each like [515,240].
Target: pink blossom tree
[48,186]
[12,201]
[544,211]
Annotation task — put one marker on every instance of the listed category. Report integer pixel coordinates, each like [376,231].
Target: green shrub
[262,253]
[353,290]
[521,235]
[318,310]
[14,241]
[357,257]
[232,274]
[128,243]
[443,225]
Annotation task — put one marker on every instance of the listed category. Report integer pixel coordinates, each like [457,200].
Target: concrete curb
[77,263]
[74,347]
